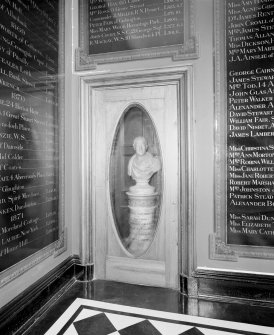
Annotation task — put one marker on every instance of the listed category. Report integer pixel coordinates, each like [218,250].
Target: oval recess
[135,216]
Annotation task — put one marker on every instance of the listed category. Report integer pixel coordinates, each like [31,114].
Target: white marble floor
[88,317]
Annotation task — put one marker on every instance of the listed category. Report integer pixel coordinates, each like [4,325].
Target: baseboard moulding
[229,286]
[22,311]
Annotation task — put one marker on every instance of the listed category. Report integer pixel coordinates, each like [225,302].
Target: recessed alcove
[135,121]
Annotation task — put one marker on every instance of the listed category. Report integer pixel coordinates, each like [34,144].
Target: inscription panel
[244,103]
[29,128]
[134,24]
[124,30]
[250,122]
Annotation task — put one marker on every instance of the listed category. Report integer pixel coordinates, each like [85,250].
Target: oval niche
[135,180]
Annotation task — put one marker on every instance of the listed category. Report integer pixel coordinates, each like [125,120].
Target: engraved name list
[250,122]
[28,128]
[119,25]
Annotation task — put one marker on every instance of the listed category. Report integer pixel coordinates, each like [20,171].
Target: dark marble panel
[238,312]
[19,313]
[230,287]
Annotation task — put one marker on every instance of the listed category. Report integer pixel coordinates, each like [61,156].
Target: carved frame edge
[220,251]
[61,245]
[86,251]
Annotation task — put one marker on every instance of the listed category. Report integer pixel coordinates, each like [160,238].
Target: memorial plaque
[134,24]
[135,29]
[29,127]
[249,121]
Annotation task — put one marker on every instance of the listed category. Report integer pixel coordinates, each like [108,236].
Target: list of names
[29,158]
[119,25]
[250,122]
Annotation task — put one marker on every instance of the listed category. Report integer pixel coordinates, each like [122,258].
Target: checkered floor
[89,317]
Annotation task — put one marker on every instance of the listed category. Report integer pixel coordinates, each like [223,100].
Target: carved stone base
[142,188]
[141,221]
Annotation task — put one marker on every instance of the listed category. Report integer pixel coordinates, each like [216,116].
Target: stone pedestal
[142,209]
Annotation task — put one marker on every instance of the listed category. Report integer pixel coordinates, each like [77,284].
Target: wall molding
[23,310]
[233,287]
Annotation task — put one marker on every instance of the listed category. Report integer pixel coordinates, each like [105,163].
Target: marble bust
[141,167]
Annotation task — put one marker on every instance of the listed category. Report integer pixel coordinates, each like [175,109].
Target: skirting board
[30,304]
[229,286]
[136,271]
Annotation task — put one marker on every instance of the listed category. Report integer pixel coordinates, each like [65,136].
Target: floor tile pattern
[88,317]
[100,324]
[96,325]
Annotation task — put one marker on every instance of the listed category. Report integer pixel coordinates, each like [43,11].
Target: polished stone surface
[153,298]
[88,317]
[95,325]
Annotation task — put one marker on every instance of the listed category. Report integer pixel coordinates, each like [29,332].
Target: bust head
[141,167]
[140,145]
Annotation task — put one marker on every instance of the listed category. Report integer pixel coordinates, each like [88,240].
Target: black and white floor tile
[89,317]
